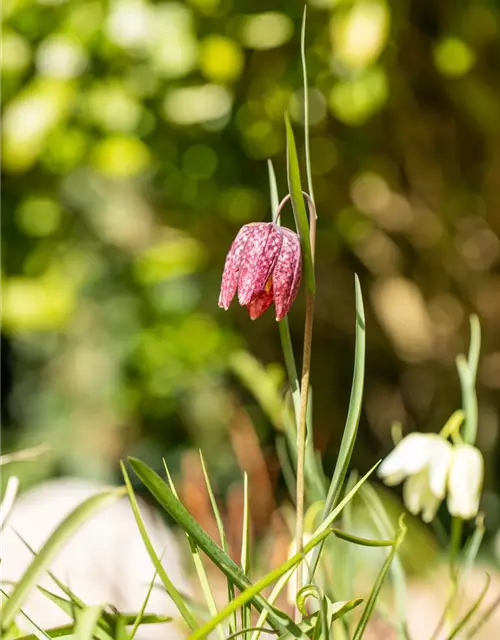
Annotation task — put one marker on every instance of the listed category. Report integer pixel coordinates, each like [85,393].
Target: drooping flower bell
[423,461]
[263,266]
[465,481]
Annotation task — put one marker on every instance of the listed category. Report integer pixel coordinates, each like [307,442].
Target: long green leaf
[353,416]
[462,623]
[380,519]
[254,589]
[220,527]
[370,603]
[306,103]
[86,622]
[164,496]
[44,557]
[171,589]
[319,531]
[299,207]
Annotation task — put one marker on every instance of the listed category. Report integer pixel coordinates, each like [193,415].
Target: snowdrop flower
[465,481]
[423,460]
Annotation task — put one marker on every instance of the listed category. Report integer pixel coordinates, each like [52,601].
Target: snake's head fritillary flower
[423,461]
[465,481]
[263,266]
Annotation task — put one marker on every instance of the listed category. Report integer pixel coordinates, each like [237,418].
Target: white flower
[465,481]
[423,460]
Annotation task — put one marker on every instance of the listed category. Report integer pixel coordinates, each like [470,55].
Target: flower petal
[410,456]
[258,261]
[287,273]
[232,265]
[439,466]
[260,303]
[465,481]
[413,491]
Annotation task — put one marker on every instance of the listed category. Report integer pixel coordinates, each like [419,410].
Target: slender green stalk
[304,385]
[301,432]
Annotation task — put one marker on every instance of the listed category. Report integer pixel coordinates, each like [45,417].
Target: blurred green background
[135,140]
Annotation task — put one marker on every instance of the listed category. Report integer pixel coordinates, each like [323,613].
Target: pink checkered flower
[263,265]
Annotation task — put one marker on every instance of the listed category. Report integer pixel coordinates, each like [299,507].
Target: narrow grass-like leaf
[198,563]
[472,548]
[353,416]
[257,587]
[370,603]
[382,523]
[306,103]
[240,632]
[142,610]
[469,400]
[172,591]
[40,634]
[73,606]
[86,622]
[363,542]
[164,496]
[485,616]
[467,617]
[280,585]
[43,558]
[220,527]
[299,207]
[474,346]
[273,191]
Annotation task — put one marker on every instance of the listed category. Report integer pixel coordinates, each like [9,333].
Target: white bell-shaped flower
[465,481]
[423,460]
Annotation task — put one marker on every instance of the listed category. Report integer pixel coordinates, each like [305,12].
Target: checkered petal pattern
[263,266]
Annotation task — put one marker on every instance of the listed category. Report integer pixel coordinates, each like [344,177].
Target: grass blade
[222,533]
[299,207]
[306,103]
[380,519]
[86,622]
[248,594]
[273,190]
[198,564]
[167,583]
[353,416]
[460,626]
[43,558]
[370,603]
[164,496]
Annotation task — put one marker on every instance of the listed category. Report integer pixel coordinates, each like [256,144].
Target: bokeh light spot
[354,101]
[266,30]
[120,157]
[453,57]
[38,216]
[221,59]
[191,105]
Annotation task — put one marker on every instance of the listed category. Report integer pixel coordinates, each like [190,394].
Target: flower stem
[301,433]
[304,395]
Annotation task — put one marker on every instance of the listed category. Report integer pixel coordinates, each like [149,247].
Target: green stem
[304,394]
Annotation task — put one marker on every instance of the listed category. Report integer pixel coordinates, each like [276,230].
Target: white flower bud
[465,481]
